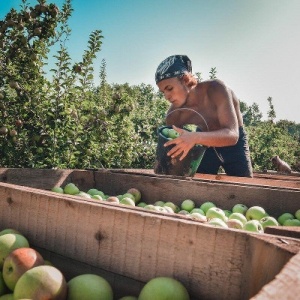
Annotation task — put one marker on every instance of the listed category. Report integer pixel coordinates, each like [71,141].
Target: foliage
[271,112]
[65,121]
[267,140]
[251,114]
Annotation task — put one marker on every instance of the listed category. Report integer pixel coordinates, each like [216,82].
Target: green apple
[3,287]
[149,207]
[172,205]
[41,282]
[157,208]
[141,204]
[168,209]
[164,288]
[89,286]
[94,191]
[253,226]
[285,216]
[268,221]
[128,195]
[10,242]
[238,216]
[183,212]
[97,197]
[9,230]
[291,222]
[9,297]
[227,212]
[48,262]
[165,132]
[297,214]
[234,223]
[84,195]
[57,189]
[198,217]
[18,262]
[215,212]
[207,205]
[197,210]
[136,193]
[127,201]
[187,204]
[159,203]
[240,208]
[173,134]
[217,223]
[71,189]
[255,213]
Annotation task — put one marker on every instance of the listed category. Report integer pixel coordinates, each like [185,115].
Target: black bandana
[173,66]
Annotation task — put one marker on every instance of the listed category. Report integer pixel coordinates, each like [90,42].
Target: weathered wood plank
[214,263]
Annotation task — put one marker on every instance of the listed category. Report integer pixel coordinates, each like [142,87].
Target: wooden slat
[213,263]
[261,179]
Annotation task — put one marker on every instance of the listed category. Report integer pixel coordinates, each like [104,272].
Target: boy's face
[174,91]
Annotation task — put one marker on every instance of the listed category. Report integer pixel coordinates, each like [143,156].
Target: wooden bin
[129,245]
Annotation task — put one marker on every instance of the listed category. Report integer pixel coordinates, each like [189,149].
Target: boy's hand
[183,144]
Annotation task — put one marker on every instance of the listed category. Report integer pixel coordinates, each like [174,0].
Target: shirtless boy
[214,108]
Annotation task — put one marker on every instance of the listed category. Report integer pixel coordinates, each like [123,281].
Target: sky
[253,44]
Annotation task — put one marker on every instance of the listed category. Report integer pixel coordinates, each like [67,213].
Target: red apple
[113,199]
[10,242]
[234,223]
[136,193]
[17,263]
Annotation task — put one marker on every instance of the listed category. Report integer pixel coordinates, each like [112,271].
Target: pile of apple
[130,197]
[25,274]
[254,218]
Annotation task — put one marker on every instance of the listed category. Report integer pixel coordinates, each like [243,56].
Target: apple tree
[25,39]
[266,140]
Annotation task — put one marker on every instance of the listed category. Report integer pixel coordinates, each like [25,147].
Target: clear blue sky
[253,44]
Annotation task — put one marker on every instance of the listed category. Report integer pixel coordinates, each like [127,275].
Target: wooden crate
[129,246]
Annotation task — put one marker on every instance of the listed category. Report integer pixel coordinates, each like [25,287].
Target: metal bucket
[164,164]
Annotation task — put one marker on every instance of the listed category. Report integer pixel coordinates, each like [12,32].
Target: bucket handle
[190,109]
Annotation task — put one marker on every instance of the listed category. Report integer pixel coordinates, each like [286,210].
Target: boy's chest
[203,114]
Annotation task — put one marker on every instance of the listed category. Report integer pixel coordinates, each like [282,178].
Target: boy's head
[173,66]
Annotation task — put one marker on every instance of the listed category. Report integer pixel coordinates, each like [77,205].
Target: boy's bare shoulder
[215,86]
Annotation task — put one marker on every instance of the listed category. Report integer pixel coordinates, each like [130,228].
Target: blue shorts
[235,160]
